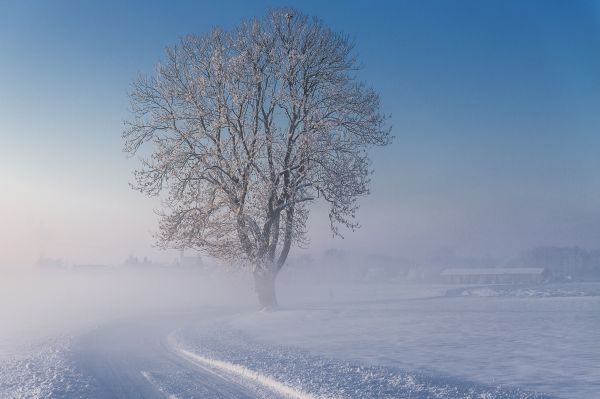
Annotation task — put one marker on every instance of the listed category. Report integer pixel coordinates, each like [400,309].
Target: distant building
[499,275]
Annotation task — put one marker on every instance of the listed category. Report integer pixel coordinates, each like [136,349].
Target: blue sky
[495,106]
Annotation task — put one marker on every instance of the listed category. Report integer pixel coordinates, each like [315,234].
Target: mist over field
[37,303]
[346,328]
[310,200]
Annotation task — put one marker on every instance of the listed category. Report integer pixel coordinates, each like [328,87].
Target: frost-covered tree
[241,131]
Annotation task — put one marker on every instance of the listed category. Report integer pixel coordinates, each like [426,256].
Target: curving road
[130,359]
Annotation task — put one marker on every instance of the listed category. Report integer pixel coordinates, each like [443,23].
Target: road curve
[130,359]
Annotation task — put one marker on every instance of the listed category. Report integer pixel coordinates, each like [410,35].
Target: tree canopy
[244,129]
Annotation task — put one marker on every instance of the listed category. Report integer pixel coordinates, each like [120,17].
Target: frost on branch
[245,129]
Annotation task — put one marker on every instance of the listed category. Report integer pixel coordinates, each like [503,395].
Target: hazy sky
[495,107]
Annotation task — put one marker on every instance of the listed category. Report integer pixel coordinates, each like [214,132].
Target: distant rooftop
[493,271]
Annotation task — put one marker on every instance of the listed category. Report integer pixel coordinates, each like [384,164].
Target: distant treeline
[563,263]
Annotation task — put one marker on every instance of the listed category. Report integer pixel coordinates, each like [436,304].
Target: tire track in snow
[244,373]
[157,385]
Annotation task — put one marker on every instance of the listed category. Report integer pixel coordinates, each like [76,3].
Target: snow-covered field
[328,341]
[538,343]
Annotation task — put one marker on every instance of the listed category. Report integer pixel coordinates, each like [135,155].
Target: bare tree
[245,129]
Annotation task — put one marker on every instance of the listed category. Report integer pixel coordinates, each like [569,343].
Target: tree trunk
[264,284]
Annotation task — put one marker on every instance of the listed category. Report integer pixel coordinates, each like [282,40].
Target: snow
[308,375]
[152,380]
[383,340]
[41,314]
[239,371]
[539,343]
[539,291]
[496,271]
[41,370]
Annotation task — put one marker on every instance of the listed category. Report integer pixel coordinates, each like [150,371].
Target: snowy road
[401,341]
[131,359]
[144,358]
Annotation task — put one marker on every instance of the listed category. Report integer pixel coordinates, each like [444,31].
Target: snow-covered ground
[41,370]
[305,374]
[43,313]
[539,343]
[375,340]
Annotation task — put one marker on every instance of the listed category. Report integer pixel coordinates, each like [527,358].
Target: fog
[475,272]
[361,321]
[37,304]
